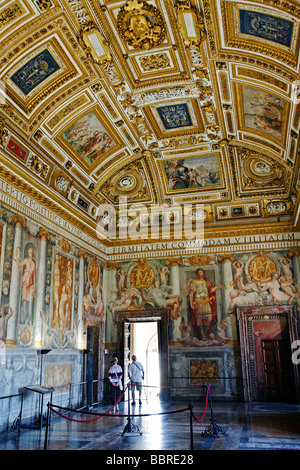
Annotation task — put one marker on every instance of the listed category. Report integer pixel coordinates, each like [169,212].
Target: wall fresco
[203,299]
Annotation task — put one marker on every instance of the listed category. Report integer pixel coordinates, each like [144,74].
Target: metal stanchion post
[130,426]
[47,426]
[191,426]
[213,429]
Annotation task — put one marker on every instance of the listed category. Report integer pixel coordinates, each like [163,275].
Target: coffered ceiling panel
[160,102]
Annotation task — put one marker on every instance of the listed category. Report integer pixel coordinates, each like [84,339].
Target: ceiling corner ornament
[191,24]
[94,44]
[141,25]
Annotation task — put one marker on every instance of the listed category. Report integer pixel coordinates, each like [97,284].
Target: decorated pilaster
[80,339]
[174,265]
[226,260]
[41,283]
[295,255]
[20,223]
[110,290]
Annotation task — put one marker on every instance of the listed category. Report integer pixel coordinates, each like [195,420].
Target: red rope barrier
[85,412]
[106,413]
[205,407]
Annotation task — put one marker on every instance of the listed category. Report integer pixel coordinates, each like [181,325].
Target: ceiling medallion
[127,184]
[141,25]
[262,169]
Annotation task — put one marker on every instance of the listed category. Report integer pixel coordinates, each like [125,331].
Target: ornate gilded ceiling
[160,102]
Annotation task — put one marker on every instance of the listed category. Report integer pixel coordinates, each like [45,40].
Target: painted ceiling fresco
[159,102]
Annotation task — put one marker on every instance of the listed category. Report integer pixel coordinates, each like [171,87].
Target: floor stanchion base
[131,428]
[213,430]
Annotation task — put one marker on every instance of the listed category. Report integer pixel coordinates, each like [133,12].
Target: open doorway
[132,336]
[144,344]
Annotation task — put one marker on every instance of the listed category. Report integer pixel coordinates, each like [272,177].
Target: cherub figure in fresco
[238,267]
[287,285]
[218,334]
[286,264]
[187,338]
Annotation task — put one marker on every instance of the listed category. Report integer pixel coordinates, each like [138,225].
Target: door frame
[246,316]
[99,325]
[162,319]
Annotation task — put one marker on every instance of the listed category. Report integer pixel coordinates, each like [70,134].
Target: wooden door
[278,370]
[266,334]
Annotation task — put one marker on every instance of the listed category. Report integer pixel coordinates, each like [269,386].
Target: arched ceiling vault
[161,102]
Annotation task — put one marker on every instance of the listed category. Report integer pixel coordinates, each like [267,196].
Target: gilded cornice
[44,196]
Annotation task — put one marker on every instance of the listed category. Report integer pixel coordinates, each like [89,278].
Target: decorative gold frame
[66,72]
[184,8]
[288,209]
[107,126]
[255,44]
[193,129]
[191,190]
[238,96]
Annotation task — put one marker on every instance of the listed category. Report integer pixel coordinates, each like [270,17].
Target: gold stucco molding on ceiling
[254,45]
[125,62]
[68,73]
[141,25]
[244,56]
[279,185]
[139,162]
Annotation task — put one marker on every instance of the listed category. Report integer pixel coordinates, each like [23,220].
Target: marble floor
[161,426]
